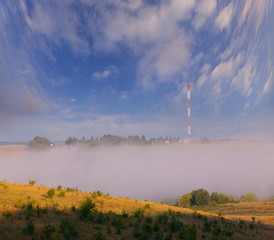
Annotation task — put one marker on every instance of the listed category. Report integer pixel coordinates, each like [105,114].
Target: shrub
[99,236]
[29,210]
[29,229]
[59,187]
[62,194]
[70,189]
[249,197]
[68,229]
[86,209]
[51,193]
[192,233]
[184,201]
[47,232]
[38,211]
[138,213]
[7,214]
[32,182]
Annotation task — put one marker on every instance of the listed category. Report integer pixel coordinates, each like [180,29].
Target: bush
[29,229]
[184,201]
[29,210]
[7,214]
[47,232]
[68,229]
[249,197]
[86,209]
[99,236]
[32,182]
[62,194]
[51,193]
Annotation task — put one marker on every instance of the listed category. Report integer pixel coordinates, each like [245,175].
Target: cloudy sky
[89,68]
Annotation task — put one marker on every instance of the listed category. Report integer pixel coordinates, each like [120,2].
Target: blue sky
[89,68]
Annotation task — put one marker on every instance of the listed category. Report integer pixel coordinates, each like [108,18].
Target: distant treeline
[112,140]
[201,197]
[108,140]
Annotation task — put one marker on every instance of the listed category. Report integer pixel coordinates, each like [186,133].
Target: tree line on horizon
[112,140]
[201,197]
[107,140]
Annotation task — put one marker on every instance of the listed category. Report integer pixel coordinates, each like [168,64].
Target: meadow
[28,211]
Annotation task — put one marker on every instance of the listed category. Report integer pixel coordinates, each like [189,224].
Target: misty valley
[168,190]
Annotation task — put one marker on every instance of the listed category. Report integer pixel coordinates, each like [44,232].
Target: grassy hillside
[31,212]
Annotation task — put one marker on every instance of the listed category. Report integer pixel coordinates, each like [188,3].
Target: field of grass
[262,211]
[31,212]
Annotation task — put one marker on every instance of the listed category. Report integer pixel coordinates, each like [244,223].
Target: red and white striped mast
[188,112]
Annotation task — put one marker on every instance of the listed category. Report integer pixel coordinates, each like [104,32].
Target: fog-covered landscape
[152,172]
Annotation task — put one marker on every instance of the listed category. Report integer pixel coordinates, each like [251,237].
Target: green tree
[71,141]
[51,193]
[40,143]
[200,197]
[249,197]
[184,201]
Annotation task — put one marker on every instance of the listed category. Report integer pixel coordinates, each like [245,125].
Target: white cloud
[124,95]
[202,79]
[204,76]
[164,61]
[108,72]
[205,8]
[225,16]
[254,11]
[58,24]
[243,80]
[227,69]
[268,83]
[155,32]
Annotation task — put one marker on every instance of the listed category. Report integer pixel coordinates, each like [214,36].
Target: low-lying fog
[150,172]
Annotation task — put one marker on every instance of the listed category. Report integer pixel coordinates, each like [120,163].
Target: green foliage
[40,143]
[38,211]
[48,232]
[192,233]
[29,229]
[70,189]
[184,201]
[99,236]
[59,187]
[200,197]
[249,197]
[221,198]
[7,214]
[86,209]
[29,210]
[138,213]
[62,194]
[68,229]
[32,182]
[51,193]
[71,141]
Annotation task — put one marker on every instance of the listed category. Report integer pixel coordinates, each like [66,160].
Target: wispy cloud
[110,71]
[204,10]
[58,23]
[124,95]
[225,16]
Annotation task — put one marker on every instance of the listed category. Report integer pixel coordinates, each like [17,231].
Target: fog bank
[150,172]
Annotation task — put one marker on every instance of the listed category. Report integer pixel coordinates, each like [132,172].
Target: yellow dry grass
[14,195]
